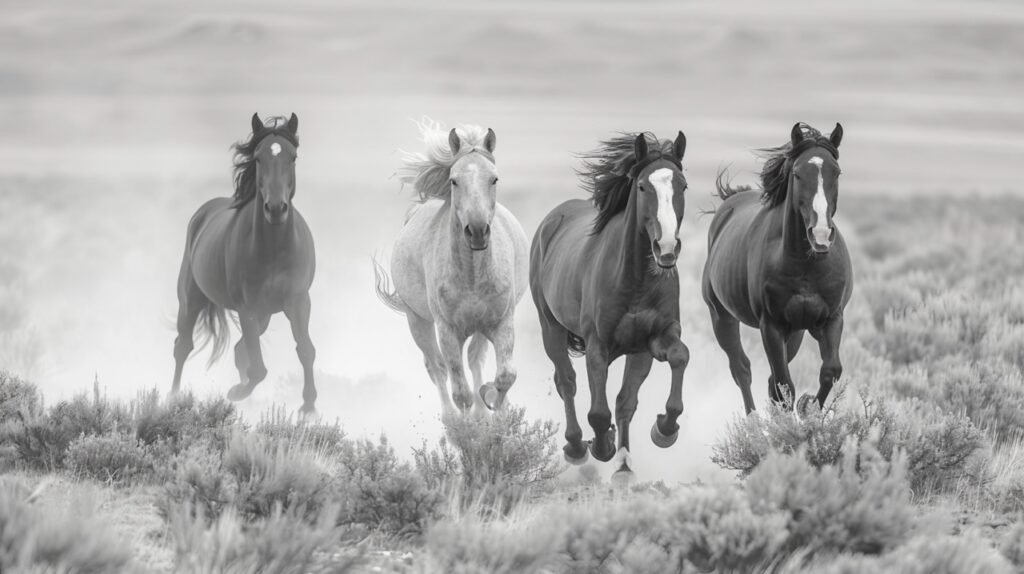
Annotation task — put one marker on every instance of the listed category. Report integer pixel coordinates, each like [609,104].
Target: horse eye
[494,181]
[455,183]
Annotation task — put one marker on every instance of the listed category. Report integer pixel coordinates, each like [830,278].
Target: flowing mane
[778,164]
[607,173]
[429,172]
[245,164]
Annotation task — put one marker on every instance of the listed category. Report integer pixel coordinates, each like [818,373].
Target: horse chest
[797,303]
[634,330]
[471,308]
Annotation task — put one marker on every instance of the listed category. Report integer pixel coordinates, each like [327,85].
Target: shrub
[938,446]
[182,419]
[39,539]
[113,458]
[382,493]
[322,438]
[924,555]
[17,396]
[281,542]
[196,476]
[499,457]
[274,474]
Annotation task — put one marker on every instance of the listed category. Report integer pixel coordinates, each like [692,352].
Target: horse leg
[190,302]
[829,338]
[252,327]
[600,416]
[425,336]
[670,348]
[780,388]
[556,345]
[297,312]
[451,343]
[476,354]
[793,342]
[638,366]
[504,339]
[727,332]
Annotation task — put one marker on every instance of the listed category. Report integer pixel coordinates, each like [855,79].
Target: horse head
[274,156]
[659,181]
[474,179]
[814,184]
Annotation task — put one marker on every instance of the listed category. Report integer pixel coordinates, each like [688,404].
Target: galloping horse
[604,281]
[777,263]
[252,254]
[459,264]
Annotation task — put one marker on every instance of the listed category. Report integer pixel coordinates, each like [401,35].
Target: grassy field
[117,122]
[915,466]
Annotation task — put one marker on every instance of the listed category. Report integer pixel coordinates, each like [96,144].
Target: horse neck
[794,238]
[468,264]
[632,262]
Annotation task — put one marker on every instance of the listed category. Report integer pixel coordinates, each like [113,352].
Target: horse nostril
[468,232]
[487,230]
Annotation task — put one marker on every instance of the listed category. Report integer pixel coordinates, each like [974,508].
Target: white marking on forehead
[275,148]
[661,179]
[821,229]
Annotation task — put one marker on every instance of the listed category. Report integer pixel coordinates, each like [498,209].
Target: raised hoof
[464,401]
[308,412]
[623,477]
[806,405]
[573,457]
[489,394]
[239,392]
[604,451]
[660,440]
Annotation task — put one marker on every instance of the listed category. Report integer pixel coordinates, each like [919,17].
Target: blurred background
[117,119]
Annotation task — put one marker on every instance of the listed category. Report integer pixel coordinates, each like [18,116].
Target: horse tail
[213,327]
[382,284]
[725,191]
[577,346]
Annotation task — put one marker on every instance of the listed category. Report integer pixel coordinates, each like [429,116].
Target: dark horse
[604,280]
[777,263]
[252,254]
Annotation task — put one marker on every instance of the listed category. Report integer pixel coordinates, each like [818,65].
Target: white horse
[460,264]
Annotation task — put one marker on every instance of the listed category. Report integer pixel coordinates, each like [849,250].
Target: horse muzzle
[821,239]
[478,236]
[276,213]
[666,260]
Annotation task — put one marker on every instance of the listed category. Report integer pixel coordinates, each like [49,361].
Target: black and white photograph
[459,287]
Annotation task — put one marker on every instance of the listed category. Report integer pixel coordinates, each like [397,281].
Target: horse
[778,263]
[251,254]
[604,281]
[458,265]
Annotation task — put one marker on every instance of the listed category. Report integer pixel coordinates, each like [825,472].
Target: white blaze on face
[662,181]
[820,204]
[275,148]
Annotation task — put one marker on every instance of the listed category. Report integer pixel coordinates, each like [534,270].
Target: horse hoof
[239,392]
[574,458]
[489,394]
[623,477]
[660,440]
[603,451]
[805,404]
[307,412]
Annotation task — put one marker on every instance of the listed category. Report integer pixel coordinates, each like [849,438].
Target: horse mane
[245,163]
[778,164]
[429,172]
[607,173]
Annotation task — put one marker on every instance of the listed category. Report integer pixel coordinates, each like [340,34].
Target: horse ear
[257,124]
[797,135]
[490,141]
[293,124]
[679,147]
[837,135]
[640,147]
[453,141]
